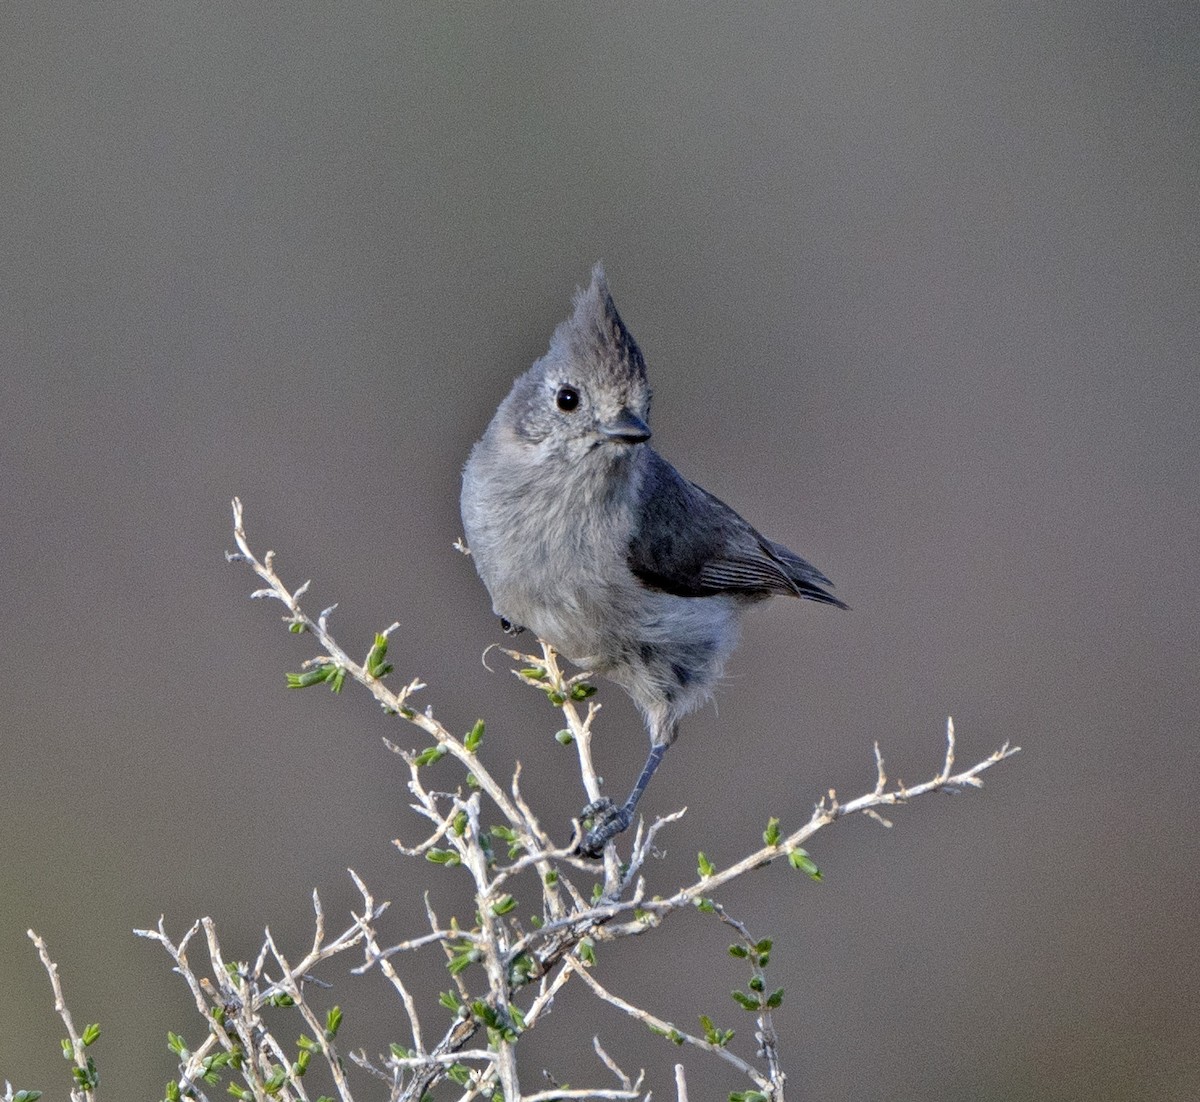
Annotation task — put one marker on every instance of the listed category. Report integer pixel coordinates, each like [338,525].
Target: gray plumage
[588,537]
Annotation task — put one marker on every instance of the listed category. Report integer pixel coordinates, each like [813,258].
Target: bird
[582,533]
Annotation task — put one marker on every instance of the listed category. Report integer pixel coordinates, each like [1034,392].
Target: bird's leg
[608,820]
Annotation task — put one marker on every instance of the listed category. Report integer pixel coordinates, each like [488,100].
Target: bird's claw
[607,820]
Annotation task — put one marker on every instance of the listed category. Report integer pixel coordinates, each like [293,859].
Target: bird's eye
[567,398]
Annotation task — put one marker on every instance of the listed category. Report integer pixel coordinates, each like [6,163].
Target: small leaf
[704,866]
[771,834]
[565,737]
[90,1033]
[587,951]
[333,1022]
[756,983]
[739,951]
[503,906]
[431,754]
[746,1002]
[534,673]
[474,737]
[798,859]
[582,691]
[775,998]
[376,666]
[313,676]
[450,1000]
[445,857]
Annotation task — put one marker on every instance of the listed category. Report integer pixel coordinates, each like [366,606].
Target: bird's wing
[691,544]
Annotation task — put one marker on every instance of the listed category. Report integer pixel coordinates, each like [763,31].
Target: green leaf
[587,951]
[565,737]
[775,998]
[459,825]
[431,754]
[33,1096]
[771,834]
[757,983]
[313,676]
[450,1000]
[376,666]
[550,878]
[503,906]
[739,951]
[704,866]
[706,906]
[474,737]
[90,1033]
[671,1034]
[176,1044]
[459,1073]
[746,1002]
[582,691]
[555,697]
[333,1022]
[713,1035]
[534,673]
[799,859]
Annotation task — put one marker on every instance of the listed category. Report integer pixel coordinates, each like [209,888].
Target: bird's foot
[607,821]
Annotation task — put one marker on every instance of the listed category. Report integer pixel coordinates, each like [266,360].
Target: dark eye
[567,398]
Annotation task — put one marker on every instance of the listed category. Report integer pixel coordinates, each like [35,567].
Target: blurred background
[918,289]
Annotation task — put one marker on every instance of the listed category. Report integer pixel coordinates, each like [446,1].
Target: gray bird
[584,534]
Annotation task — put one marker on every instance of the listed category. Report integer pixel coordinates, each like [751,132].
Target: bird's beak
[626,428]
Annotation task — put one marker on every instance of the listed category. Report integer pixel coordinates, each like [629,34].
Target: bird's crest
[594,337]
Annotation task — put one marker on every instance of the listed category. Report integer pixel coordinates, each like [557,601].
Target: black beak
[626,428]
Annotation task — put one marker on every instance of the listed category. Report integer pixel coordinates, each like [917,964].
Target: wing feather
[691,544]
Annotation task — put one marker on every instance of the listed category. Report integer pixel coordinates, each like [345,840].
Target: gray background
[917,285]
